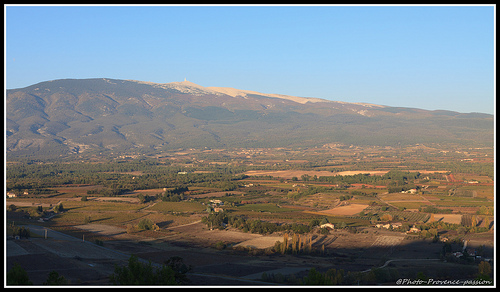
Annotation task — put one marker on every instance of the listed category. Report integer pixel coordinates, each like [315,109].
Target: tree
[180,269]
[59,208]
[336,276]
[484,271]
[316,278]
[220,245]
[136,273]
[54,279]
[314,222]
[473,221]
[20,231]
[146,224]
[18,276]
[386,217]
[486,222]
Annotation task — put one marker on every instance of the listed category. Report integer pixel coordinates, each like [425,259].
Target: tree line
[37,178]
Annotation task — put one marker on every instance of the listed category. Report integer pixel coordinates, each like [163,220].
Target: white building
[327,226]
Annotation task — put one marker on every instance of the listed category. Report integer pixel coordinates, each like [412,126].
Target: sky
[429,57]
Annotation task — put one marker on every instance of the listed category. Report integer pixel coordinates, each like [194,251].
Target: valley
[261,145]
[367,215]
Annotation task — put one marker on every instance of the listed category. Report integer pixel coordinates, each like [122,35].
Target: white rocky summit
[195,89]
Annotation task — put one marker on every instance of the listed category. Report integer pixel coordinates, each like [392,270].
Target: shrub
[54,279]
[18,276]
[136,273]
[220,245]
[131,229]
[59,208]
[145,224]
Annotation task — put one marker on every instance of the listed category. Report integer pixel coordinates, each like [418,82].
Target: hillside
[67,116]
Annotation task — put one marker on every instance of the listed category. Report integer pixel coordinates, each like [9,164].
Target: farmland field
[351,209]
[261,242]
[449,218]
[225,218]
[266,207]
[410,205]
[179,207]
[399,197]
[288,174]
[106,206]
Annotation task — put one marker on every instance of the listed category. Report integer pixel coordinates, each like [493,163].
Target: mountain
[68,116]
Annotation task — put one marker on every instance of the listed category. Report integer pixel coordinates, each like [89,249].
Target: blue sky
[430,57]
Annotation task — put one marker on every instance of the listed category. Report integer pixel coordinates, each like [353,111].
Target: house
[327,226]
[217,210]
[410,191]
[413,230]
[471,252]
[396,225]
[11,195]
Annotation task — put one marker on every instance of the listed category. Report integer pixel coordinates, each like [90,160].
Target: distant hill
[67,116]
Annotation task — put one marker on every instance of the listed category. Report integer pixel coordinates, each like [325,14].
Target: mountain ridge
[68,116]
